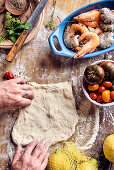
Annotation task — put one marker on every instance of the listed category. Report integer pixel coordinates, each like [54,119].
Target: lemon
[89,165]
[58,160]
[74,152]
[108,148]
[70,157]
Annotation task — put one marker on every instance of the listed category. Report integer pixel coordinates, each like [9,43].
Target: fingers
[25,102]
[30,94]
[19,80]
[34,157]
[25,87]
[39,149]
[45,162]
[29,149]
[44,153]
[17,154]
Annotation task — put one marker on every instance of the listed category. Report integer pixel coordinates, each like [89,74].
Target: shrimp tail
[90,46]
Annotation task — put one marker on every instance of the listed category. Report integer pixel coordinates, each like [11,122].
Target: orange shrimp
[90,18]
[90,46]
[80,27]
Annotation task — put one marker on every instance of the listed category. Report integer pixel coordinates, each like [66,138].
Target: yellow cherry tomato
[93,87]
[106,96]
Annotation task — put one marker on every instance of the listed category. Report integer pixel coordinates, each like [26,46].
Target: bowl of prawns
[87,32]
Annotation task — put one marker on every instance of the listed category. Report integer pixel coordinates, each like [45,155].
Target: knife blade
[31,20]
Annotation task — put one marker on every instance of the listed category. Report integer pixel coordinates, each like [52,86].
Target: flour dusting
[94,123]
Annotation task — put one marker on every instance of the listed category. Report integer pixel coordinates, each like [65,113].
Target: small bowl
[13,10]
[86,93]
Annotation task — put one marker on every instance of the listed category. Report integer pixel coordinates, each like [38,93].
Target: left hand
[35,157]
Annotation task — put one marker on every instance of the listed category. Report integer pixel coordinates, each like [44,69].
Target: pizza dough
[51,116]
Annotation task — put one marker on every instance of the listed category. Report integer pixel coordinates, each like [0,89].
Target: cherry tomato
[99,98]
[101,89]
[107,84]
[106,96]
[8,75]
[93,96]
[93,87]
[112,95]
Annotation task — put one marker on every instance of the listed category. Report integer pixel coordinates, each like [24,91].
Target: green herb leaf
[51,25]
[10,32]
[12,38]
[22,26]
[14,27]
[27,26]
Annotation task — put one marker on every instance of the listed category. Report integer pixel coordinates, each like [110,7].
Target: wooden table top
[37,62]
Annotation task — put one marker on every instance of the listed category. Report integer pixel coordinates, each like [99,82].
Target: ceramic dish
[59,32]
[86,93]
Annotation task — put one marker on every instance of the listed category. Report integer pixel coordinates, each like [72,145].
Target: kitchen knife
[31,20]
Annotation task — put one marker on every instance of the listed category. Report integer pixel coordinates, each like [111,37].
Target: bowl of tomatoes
[98,82]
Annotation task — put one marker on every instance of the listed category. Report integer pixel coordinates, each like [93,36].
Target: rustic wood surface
[36,62]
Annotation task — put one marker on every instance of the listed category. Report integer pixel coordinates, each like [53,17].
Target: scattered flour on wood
[88,125]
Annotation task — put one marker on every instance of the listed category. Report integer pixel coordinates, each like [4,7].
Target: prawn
[90,46]
[80,27]
[90,18]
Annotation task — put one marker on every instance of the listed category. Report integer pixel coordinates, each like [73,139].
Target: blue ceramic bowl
[59,32]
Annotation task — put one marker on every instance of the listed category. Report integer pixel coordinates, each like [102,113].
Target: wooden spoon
[9,7]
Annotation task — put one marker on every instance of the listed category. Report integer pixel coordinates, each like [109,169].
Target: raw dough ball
[51,116]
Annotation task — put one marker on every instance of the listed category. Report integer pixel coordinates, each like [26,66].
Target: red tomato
[101,89]
[106,96]
[9,75]
[99,98]
[93,96]
[112,95]
[107,84]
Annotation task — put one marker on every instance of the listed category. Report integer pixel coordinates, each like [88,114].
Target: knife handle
[16,47]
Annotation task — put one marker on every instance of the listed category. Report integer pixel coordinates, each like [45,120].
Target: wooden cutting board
[8,44]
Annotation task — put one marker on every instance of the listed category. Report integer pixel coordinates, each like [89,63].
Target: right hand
[35,157]
[12,94]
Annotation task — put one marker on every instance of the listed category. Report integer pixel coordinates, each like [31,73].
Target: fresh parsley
[13,26]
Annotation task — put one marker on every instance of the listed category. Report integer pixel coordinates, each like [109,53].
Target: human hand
[35,157]
[12,94]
